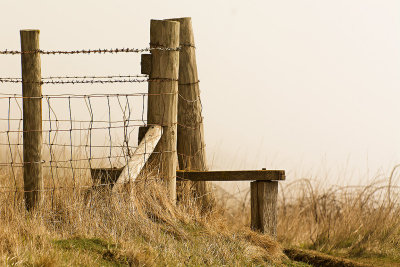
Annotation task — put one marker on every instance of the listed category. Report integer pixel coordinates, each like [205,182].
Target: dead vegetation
[136,227]
[81,225]
[360,222]
[348,221]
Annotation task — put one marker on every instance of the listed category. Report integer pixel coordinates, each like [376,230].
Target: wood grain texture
[139,158]
[163,96]
[258,175]
[264,197]
[226,176]
[190,144]
[32,118]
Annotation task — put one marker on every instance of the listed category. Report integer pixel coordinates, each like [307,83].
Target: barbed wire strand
[89,51]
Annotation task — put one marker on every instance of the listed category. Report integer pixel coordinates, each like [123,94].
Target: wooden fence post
[163,96]
[32,118]
[264,197]
[190,144]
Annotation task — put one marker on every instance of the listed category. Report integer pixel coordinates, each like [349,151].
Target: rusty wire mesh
[81,132]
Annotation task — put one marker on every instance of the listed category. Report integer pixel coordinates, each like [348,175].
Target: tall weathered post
[32,118]
[190,146]
[163,96]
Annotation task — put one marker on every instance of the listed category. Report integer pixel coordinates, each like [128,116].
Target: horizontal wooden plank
[258,175]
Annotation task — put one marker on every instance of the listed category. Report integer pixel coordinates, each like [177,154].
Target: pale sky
[309,86]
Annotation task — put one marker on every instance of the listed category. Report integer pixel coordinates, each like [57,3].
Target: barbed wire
[96,77]
[67,96]
[89,51]
[87,81]
[76,154]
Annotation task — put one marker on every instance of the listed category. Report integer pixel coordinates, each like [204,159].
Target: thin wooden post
[190,144]
[163,96]
[264,197]
[32,118]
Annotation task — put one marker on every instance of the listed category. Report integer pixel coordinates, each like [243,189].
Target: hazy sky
[310,86]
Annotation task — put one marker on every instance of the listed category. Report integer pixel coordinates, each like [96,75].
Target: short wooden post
[264,197]
[163,96]
[190,144]
[32,118]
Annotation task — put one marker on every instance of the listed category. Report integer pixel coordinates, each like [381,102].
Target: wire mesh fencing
[80,132]
[83,131]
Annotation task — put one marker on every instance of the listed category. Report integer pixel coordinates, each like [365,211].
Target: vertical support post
[32,118]
[264,197]
[163,96]
[190,144]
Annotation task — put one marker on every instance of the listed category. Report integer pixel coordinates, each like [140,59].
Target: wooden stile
[263,191]
[32,118]
[231,176]
[163,96]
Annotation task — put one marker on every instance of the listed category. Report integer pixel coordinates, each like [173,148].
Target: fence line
[71,141]
[53,128]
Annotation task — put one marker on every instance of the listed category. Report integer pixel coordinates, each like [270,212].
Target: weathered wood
[163,96]
[140,156]
[190,144]
[32,118]
[264,197]
[145,64]
[263,175]
[110,175]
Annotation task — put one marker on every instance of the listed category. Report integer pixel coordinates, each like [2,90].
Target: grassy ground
[136,227]
[79,226]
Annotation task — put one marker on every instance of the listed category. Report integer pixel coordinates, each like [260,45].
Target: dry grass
[138,227]
[356,222]
[362,223]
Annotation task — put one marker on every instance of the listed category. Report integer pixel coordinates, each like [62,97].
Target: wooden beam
[140,156]
[259,175]
[110,175]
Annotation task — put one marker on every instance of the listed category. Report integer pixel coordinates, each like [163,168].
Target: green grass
[94,251]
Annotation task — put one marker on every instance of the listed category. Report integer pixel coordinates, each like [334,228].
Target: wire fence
[80,132]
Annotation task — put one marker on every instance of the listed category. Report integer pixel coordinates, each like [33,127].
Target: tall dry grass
[359,221]
[80,225]
[349,221]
